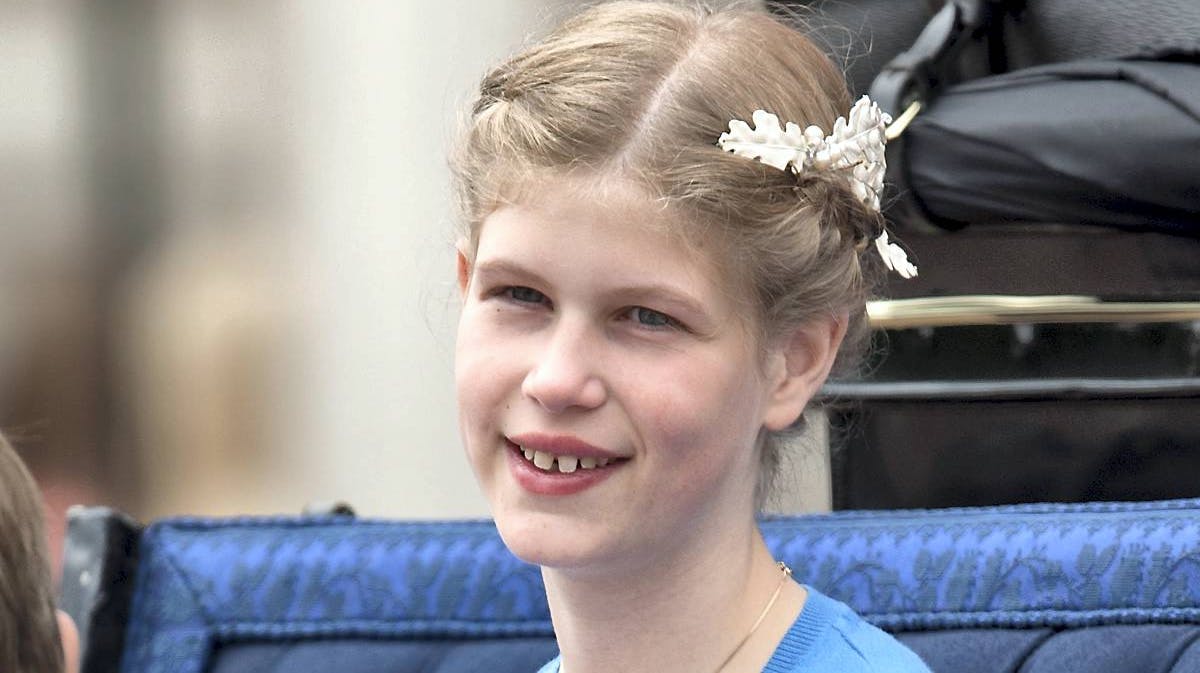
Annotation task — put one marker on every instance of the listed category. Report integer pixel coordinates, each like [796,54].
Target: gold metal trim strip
[1012,310]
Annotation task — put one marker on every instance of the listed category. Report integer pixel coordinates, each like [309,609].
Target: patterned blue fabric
[205,581]
[202,583]
[1019,566]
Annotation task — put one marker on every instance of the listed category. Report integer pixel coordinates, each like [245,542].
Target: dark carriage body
[1049,188]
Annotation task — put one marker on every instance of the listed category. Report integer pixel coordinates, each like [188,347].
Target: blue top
[829,637]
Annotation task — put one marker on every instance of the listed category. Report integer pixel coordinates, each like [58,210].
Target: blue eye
[650,318]
[525,294]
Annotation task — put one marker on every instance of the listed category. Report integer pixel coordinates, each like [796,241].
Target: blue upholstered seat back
[998,589]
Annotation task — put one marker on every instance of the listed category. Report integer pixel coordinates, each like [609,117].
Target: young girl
[653,290]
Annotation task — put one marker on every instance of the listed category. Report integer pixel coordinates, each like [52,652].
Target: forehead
[604,212]
[609,200]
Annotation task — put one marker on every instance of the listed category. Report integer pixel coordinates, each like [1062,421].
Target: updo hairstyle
[641,91]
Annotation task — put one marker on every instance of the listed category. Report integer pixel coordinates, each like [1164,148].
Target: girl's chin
[551,542]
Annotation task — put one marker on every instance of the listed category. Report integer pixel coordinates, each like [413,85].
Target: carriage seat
[1013,589]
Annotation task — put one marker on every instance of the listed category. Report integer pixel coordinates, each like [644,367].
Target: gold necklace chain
[787,572]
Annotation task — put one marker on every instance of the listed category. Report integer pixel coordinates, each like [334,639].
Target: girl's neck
[686,611]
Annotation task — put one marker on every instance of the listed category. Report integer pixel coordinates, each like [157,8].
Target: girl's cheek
[472,379]
[487,368]
[691,415]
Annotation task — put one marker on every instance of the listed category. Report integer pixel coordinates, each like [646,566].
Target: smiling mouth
[563,464]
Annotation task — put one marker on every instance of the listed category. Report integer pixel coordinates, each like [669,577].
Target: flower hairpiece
[855,145]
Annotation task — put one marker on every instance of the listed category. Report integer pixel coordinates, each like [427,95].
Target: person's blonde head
[640,91]
[29,631]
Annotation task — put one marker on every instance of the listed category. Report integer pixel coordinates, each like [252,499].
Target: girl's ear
[799,367]
[464,271]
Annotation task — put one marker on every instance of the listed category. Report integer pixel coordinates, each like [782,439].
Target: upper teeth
[547,461]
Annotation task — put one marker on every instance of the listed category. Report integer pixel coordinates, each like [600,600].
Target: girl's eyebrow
[504,267]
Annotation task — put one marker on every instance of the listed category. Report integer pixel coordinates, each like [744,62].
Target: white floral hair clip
[856,145]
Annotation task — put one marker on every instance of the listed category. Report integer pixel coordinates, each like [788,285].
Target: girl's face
[610,393]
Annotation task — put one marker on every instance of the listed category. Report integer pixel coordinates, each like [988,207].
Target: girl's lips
[544,482]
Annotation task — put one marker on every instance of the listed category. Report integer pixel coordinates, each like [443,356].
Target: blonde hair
[641,91]
[29,639]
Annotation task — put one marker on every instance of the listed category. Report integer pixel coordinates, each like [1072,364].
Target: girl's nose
[563,375]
